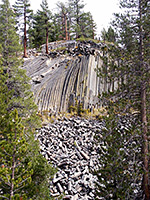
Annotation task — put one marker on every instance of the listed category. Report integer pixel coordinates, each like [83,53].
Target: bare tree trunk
[12,178]
[46,39]
[69,22]
[25,34]
[93,31]
[77,20]
[144,114]
[145,144]
[66,31]
[63,27]
[13,173]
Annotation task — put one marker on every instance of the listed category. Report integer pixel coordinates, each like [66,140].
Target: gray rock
[69,145]
[58,79]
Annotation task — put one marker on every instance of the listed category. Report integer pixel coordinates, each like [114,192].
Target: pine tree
[76,15]
[56,32]
[15,171]
[63,15]
[46,17]
[127,78]
[62,24]
[16,100]
[42,26]
[81,24]
[87,26]
[109,35]
[22,10]
[120,173]
[24,172]
[17,81]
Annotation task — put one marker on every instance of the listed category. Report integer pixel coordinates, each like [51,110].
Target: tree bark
[145,144]
[13,173]
[66,32]
[69,29]
[77,21]
[144,113]
[47,37]
[12,178]
[63,27]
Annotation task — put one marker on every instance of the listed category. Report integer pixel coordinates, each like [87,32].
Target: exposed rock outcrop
[67,75]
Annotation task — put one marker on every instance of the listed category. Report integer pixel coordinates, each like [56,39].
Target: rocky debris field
[69,144]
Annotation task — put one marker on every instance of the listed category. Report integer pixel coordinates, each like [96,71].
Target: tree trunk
[145,144]
[25,34]
[93,31]
[13,173]
[66,32]
[46,38]
[69,29]
[63,27]
[143,113]
[12,178]
[77,21]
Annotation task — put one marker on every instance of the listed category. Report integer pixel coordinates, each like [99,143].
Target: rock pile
[81,48]
[70,47]
[69,145]
[73,47]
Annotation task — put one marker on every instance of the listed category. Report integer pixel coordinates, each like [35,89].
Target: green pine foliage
[120,143]
[22,166]
[109,35]
[76,15]
[79,23]
[21,8]
[15,171]
[87,26]
[62,17]
[124,172]
[17,82]
[38,189]
[23,15]
[69,22]
[8,35]
[42,21]
[56,32]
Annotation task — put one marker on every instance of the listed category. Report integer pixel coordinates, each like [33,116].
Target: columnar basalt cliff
[66,76]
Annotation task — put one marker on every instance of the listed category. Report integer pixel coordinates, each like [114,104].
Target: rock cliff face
[66,76]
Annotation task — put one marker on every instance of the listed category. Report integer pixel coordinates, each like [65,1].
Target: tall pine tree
[42,26]
[76,15]
[109,35]
[125,173]
[17,81]
[63,15]
[23,13]
[18,119]
[15,171]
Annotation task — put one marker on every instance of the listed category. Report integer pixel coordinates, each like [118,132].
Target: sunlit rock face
[66,77]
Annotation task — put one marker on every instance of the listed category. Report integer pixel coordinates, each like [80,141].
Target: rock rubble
[69,144]
[73,47]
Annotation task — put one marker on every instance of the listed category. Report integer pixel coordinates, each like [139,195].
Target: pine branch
[4,197]
[6,183]
[19,188]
